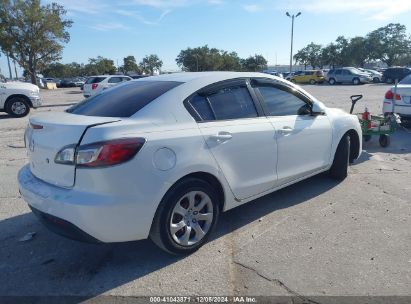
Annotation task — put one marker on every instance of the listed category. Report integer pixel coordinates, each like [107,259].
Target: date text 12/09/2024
[203,299]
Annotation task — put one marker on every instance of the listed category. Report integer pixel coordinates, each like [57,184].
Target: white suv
[16,98]
[96,84]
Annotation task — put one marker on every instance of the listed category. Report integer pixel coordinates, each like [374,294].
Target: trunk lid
[405,92]
[47,134]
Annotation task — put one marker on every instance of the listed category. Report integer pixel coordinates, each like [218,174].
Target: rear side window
[123,100]
[95,80]
[406,80]
[115,79]
[233,102]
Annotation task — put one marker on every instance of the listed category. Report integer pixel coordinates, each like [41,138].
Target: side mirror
[317,109]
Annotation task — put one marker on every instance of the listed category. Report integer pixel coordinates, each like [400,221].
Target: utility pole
[292,37]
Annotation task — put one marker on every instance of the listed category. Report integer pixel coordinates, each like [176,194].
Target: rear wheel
[185,217]
[17,107]
[339,168]
[376,80]
[331,81]
[312,81]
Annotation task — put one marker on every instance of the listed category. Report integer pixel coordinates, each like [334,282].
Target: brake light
[390,95]
[108,153]
[94,86]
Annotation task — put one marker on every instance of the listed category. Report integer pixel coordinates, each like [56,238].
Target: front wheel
[312,81]
[17,107]
[339,168]
[376,80]
[185,217]
[331,81]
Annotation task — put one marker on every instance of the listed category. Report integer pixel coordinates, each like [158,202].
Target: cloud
[162,4]
[371,9]
[110,26]
[137,15]
[252,8]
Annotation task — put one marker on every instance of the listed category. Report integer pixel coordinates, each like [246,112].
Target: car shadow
[52,265]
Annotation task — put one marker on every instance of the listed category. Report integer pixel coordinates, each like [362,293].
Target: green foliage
[389,44]
[99,65]
[151,63]
[212,59]
[130,65]
[33,34]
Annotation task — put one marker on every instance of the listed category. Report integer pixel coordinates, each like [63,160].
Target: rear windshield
[123,100]
[95,80]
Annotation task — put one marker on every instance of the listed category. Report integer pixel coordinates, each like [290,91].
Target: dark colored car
[391,74]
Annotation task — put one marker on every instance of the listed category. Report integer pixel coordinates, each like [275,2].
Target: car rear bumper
[92,216]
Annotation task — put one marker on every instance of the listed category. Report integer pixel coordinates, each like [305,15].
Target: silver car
[347,75]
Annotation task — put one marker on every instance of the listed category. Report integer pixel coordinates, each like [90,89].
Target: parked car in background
[274,73]
[391,74]
[400,100]
[375,75]
[16,98]
[96,84]
[67,83]
[159,157]
[309,76]
[138,76]
[347,75]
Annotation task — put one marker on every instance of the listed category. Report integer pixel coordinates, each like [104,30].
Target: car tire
[312,81]
[376,80]
[356,81]
[17,107]
[339,167]
[177,225]
[331,81]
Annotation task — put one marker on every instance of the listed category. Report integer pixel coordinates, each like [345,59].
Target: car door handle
[222,136]
[285,130]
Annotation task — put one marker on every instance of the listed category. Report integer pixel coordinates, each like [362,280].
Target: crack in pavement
[277,282]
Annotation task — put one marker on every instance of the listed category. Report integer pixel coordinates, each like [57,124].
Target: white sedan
[162,156]
[399,101]
[97,84]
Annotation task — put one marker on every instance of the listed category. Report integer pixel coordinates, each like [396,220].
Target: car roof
[186,77]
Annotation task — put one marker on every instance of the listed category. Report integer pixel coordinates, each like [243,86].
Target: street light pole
[292,36]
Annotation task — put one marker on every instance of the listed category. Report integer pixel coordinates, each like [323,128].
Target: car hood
[20,86]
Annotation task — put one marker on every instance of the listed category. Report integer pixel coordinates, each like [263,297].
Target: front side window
[338,72]
[278,101]
[232,102]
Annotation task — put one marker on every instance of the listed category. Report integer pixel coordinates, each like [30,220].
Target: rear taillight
[94,86]
[101,154]
[390,95]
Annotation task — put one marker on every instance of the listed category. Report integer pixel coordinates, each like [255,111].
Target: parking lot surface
[318,237]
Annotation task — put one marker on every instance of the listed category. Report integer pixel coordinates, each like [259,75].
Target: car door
[303,139]
[346,76]
[241,141]
[338,76]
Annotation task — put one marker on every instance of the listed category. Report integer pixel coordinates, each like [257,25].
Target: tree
[329,55]
[151,63]
[358,51]
[301,57]
[254,63]
[230,61]
[130,64]
[33,34]
[310,55]
[199,59]
[99,65]
[389,43]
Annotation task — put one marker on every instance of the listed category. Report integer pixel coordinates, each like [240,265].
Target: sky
[118,28]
